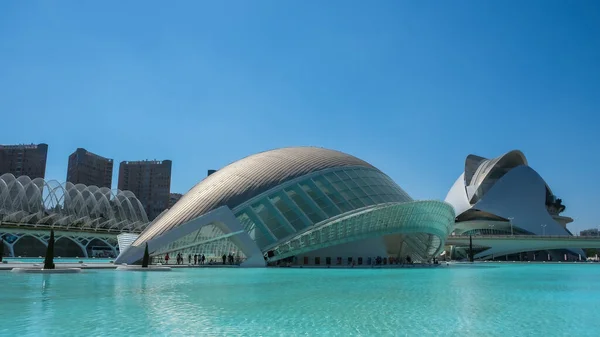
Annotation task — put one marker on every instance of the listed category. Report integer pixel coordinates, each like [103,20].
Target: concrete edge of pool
[91,266]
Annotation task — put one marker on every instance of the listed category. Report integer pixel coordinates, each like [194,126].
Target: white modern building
[302,205]
[505,196]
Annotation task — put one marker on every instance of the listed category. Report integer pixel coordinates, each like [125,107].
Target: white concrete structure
[513,244]
[29,203]
[31,241]
[310,205]
[125,240]
[505,196]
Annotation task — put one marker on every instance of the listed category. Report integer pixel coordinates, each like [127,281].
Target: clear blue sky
[411,86]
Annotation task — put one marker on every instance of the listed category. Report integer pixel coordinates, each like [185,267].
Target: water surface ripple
[504,300]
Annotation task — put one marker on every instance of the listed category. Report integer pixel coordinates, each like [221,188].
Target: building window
[278,229]
[291,215]
[303,205]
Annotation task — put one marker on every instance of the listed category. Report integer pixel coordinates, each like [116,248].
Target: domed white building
[311,205]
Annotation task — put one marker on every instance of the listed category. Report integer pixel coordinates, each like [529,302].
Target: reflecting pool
[480,300]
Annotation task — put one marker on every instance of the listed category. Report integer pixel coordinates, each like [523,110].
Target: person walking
[167,258]
[195,258]
[189,258]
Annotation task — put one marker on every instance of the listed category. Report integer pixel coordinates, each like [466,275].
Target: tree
[49,260]
[1,248]
[146,258]
[471,255]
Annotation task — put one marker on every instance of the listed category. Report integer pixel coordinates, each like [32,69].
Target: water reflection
[508,300]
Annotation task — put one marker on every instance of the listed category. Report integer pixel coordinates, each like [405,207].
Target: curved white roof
[248,177]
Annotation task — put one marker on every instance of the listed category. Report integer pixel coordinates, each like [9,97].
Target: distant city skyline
[411,87]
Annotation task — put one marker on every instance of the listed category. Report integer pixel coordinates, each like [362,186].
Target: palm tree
[49,260]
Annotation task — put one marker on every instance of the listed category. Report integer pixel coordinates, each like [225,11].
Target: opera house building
[307,205]
[505,196]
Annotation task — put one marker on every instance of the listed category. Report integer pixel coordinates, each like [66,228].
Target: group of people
[228,259]
[198,259]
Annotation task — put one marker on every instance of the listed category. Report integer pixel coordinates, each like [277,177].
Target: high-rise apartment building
[150,181]
[24,160]
[89,169]
[174,198]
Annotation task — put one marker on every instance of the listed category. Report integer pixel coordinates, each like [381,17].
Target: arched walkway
[6,249]
[99,248]
[66,247]
[29,246]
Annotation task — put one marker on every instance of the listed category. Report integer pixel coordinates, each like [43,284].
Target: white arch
[113,248]
[33,236]
[60,237]
[37,201]
[221,217]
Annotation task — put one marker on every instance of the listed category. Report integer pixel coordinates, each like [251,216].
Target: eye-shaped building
[311,205]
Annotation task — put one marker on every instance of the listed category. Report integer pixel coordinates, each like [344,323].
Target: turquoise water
[481,300]
[56,260]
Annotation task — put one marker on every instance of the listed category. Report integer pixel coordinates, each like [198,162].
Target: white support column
[222,217]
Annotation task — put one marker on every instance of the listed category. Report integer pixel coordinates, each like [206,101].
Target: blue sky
[413,87]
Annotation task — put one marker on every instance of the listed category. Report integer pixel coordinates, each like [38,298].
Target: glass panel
[352,173]
[361,182]
[343,175]
[377,198]
[246,222]
[358,192]
[340,186]
[260,237]
[303,205]
[350,183]
[332,194]
[356,203]
[348,195]
[278,229]
[321,201]
[367,201]
[332,177]
[291,214]
[368,190]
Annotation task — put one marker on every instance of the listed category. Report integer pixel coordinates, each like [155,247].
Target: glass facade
[317,198]
[414,229]
[208,240]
